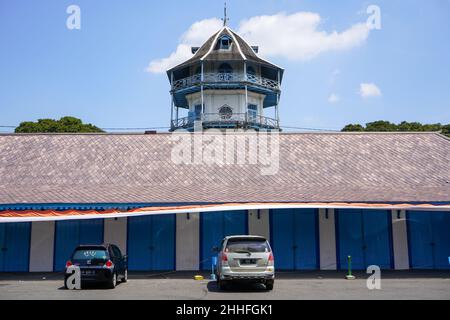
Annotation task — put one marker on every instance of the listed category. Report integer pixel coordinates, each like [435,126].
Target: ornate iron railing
[224,78]
[235,120]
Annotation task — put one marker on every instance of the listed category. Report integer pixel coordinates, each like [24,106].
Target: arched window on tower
[224,43]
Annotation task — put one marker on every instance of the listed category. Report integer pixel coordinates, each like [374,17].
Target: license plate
[88,273]
[248,261]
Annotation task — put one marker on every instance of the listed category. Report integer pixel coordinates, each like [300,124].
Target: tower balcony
[228,121]
[225,79]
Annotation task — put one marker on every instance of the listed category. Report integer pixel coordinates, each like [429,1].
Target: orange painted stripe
[74,213]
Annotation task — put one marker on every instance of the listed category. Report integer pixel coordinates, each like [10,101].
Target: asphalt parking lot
[181,286]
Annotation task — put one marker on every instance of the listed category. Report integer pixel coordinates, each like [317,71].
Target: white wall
[115,232]
[41,247]
[259,226]
[215,99]
[188,242]
[400,240]
[327,235]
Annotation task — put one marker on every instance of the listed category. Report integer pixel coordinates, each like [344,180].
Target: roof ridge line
[213,43]
[237,43]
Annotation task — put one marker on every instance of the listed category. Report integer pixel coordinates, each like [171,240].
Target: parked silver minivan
[246,259]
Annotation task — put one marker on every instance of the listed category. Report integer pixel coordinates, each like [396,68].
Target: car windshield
[247,245]
[90,254]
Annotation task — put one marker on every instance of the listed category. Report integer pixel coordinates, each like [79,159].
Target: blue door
[429,240]
[215,227]
[70,234]
[15,247]
[151,243]
[366,236]
[294,239]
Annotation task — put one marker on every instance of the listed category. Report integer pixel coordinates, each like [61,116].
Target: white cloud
[197,34]
[334,98]
[297,37]
[367,90]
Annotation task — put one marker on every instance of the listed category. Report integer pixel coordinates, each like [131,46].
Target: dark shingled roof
[245,53]
[106,168]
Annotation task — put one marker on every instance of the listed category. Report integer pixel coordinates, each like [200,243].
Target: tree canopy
[63,125]
[386,126]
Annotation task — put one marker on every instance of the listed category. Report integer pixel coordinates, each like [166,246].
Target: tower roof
[240,50]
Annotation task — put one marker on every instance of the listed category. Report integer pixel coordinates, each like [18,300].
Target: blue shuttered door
[377,238]
[294,239]
[70,234]
[306,253]
[350,235]
[2,245]
[163,243]
[214,228]
[441,240]
[15,247]
[283,239]
[365,235]
[429,240]
[151,243]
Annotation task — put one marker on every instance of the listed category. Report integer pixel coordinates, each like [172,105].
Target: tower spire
[225,17]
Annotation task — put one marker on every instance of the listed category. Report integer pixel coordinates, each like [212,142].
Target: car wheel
[269,285]
[113,281]
[125,276]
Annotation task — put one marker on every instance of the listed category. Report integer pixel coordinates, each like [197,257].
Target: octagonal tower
[225,85]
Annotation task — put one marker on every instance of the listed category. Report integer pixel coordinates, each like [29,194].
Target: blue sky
[99,73]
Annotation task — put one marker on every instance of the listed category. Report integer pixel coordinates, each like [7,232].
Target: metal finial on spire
[225,17]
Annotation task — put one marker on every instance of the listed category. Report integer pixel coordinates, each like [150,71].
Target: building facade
[381,198]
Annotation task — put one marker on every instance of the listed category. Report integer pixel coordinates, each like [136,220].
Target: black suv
[99,264]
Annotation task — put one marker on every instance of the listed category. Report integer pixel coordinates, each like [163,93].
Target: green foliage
[380,126]
[386,126]
[63,125]
[353,128]
[446,130]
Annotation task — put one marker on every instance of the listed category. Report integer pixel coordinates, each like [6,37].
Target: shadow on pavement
[237,287]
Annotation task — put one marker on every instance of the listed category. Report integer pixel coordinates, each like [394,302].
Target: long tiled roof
[387,168]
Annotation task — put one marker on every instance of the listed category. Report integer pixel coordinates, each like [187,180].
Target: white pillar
[188,242]
[400,240]
[327,235]
[115,232]
[259,223]
[41,247]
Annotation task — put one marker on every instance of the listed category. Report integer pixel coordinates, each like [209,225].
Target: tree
[381,126]
[63,125]
[353,128]
[386,126]
[446,130]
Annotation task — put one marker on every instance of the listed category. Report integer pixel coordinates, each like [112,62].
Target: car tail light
[69,264]
[271,259]
[224,257]
[109,264]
